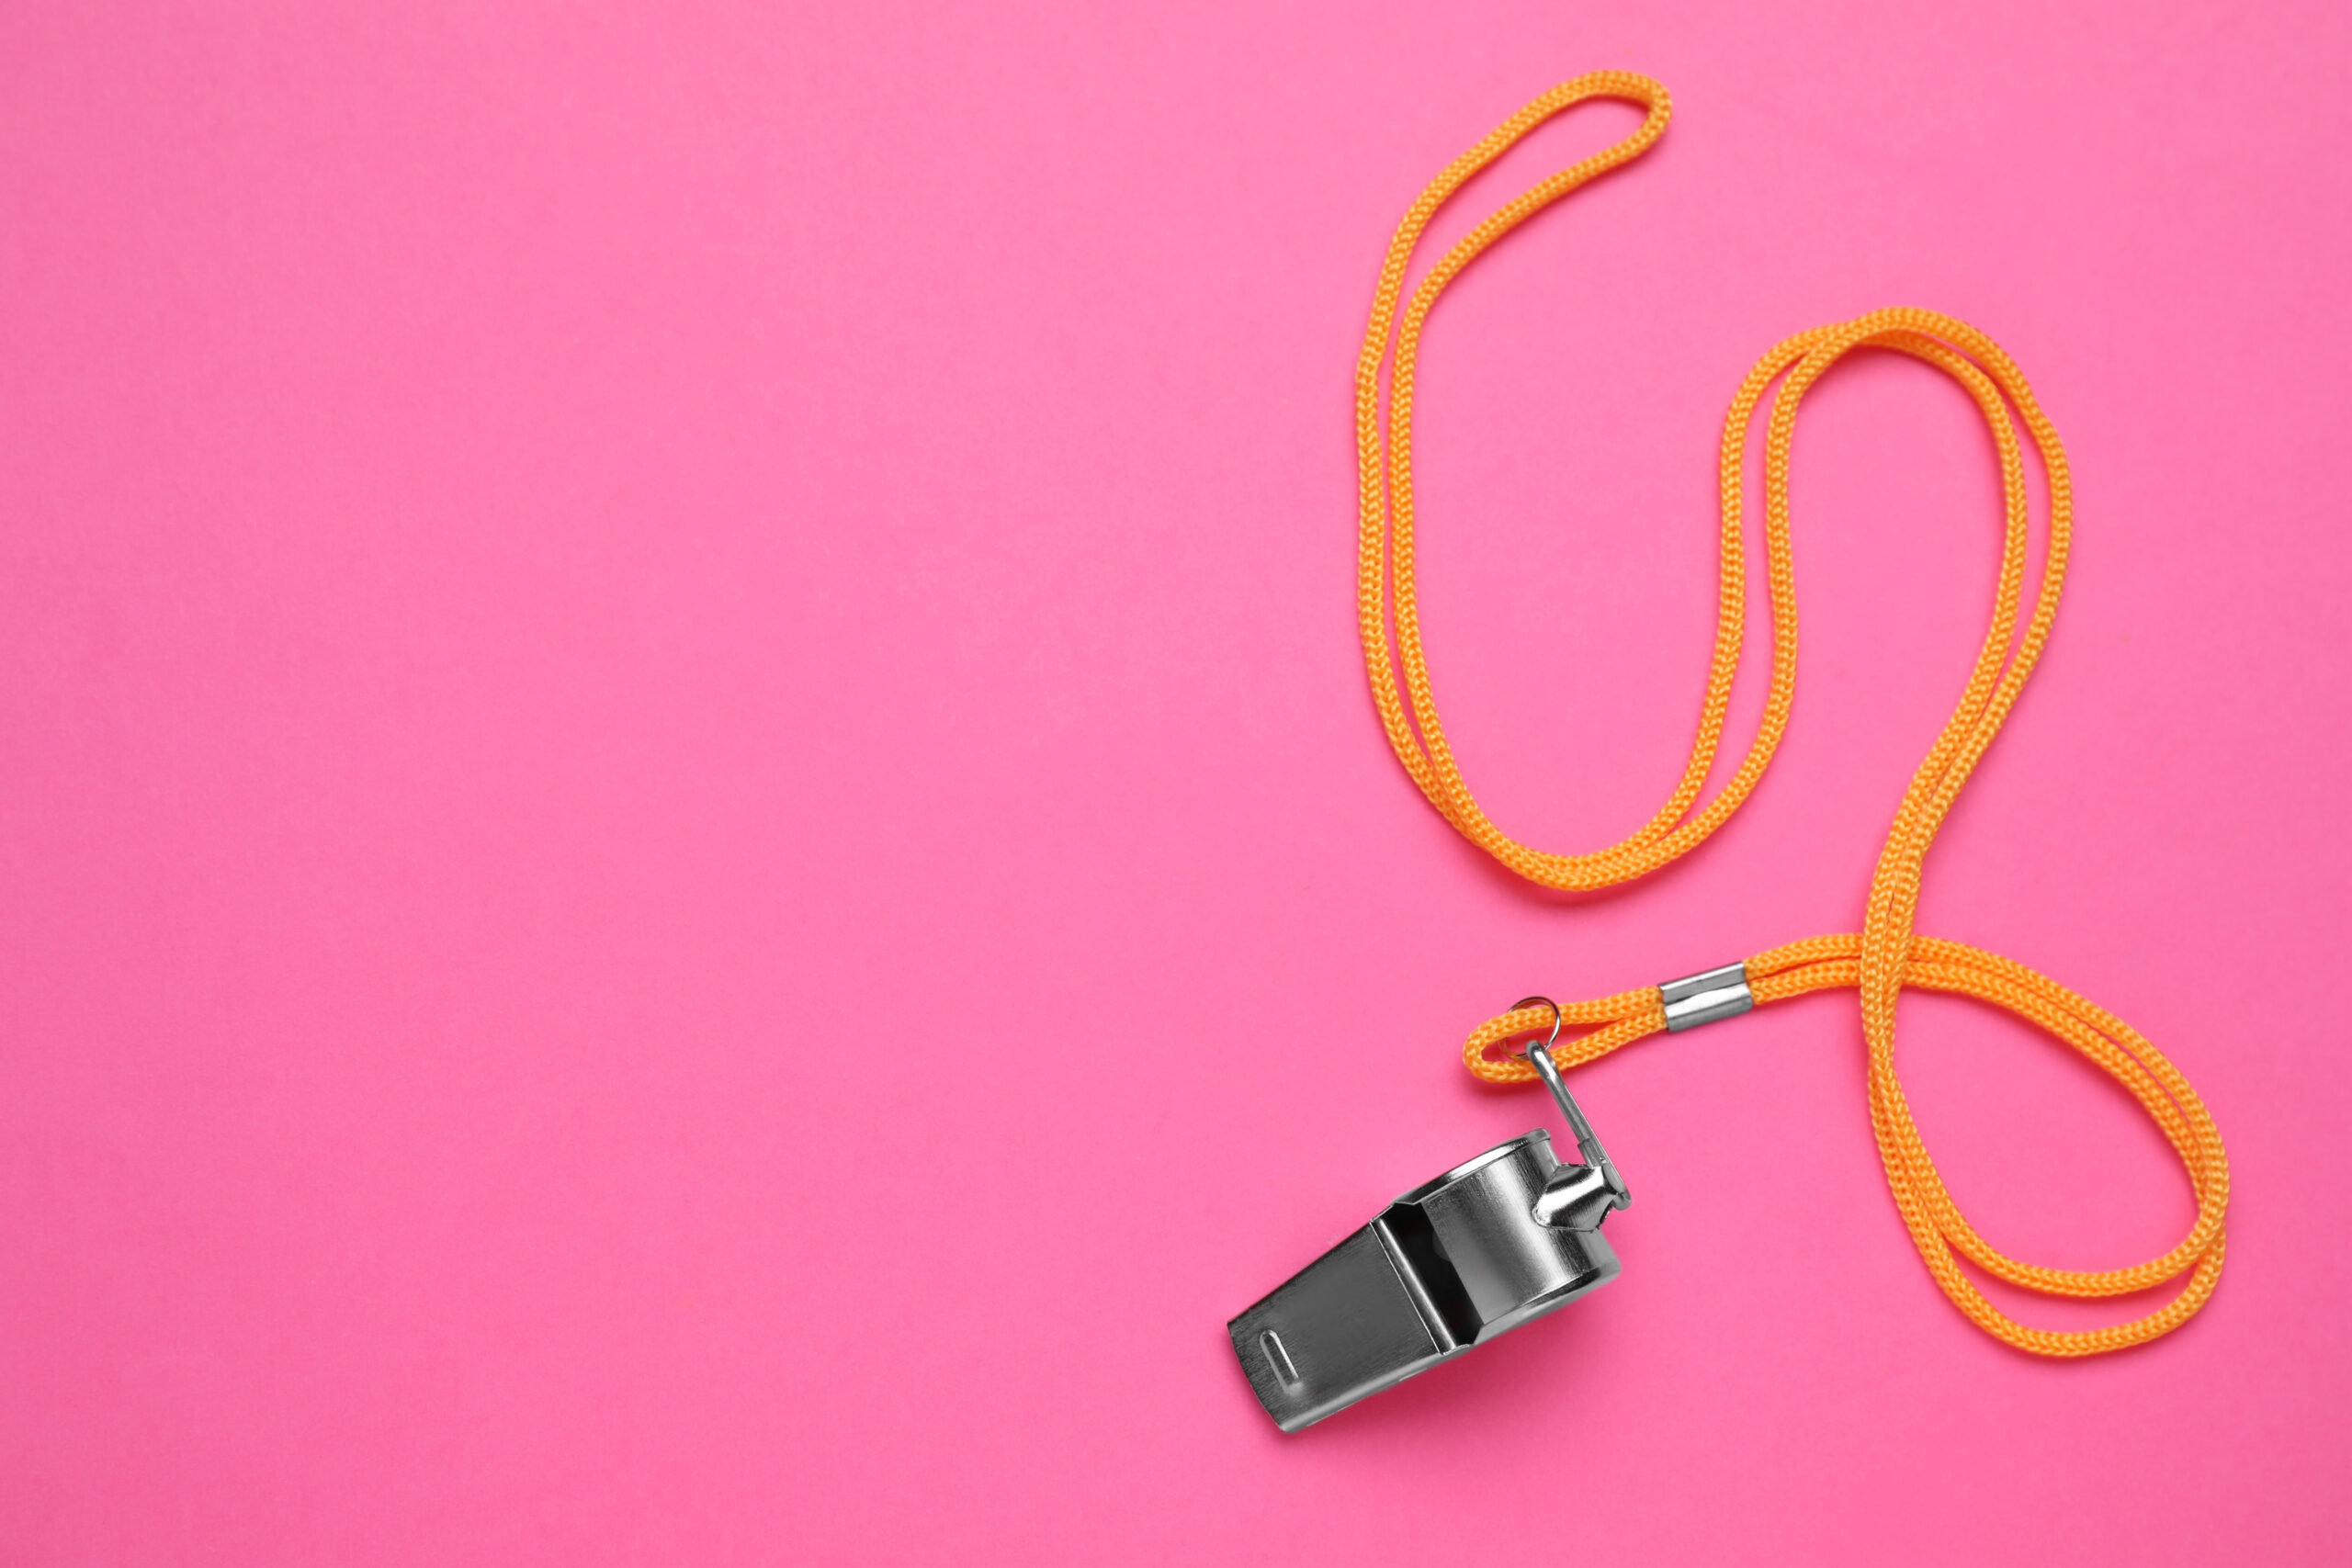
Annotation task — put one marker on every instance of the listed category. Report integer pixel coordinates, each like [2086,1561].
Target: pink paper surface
[696,871]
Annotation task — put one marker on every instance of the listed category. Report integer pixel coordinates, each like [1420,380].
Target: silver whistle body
[1450,1265]
[1492,1244]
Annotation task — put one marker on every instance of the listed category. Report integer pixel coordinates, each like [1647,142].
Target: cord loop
[1888,954]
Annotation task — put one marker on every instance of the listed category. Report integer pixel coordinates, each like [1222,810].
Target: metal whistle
[1490,1245]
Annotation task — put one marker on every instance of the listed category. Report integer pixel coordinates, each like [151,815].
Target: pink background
[694,868]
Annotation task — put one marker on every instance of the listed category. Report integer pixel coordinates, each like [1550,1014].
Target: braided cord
[1888,954]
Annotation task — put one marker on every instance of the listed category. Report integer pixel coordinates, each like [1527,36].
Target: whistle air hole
[1279,1359]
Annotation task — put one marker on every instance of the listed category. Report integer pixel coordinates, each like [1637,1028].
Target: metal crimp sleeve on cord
[1706,997]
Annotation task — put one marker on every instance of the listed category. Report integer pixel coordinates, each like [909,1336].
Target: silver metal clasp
[1708,997]
[1492,1244]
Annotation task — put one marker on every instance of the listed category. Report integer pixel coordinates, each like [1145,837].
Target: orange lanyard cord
[1888,955]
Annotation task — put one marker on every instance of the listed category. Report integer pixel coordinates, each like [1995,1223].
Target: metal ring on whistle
[1539,1056]
[1530,1002]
